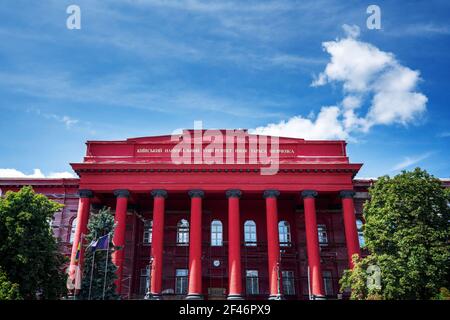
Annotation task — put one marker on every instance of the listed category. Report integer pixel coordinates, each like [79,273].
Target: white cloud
[291,61]
[13,173]
[420,29]
[353,63]
[369,77]
[216,6]
[409,161]
[115,91]
[66,120]
[61,175]
[37,174]
[394,97]
[351,31]
[444,134]
[325,126]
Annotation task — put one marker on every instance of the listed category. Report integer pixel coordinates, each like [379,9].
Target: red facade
[312,201]
[63,191]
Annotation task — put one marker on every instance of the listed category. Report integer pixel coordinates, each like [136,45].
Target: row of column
[234,251]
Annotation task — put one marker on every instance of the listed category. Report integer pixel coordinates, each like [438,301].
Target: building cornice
[86,168]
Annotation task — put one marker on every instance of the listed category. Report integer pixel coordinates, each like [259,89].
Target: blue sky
[148,67]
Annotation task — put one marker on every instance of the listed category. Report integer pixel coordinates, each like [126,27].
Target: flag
[92,245]
[77,255]
[101,243]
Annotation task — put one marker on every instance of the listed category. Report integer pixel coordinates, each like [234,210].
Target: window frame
[359,229]
[144,276]
[322,233]
[148,232]
[216,233]
[328,282]
[252,281]
[291,278]
[250,233]
[183,232]
[287,235]
[73,229]
[181,281]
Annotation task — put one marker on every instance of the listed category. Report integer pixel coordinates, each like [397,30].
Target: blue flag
[101,243]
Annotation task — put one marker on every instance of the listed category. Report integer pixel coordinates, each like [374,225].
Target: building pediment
[238,144]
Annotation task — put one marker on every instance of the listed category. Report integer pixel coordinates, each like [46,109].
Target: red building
[220,230]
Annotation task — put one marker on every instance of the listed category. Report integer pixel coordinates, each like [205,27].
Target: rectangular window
[183,233]
[288,282]
[148,226]
[361,239]
[359,227]
[328,283]
[144,281]
[250,234]
[216,233]
[252,282]
[181,281]
[216,239]
[284,233]
[323,237]
[183,238]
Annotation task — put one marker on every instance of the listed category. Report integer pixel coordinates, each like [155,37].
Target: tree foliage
[29,253]
[95,265]
[406,233]
[444,294]
[8,290]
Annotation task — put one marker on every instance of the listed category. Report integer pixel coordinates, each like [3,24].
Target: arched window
[359,227]
[250,233]
[148,228]
[284,233]
[216,233]
[73,228]
[182,232]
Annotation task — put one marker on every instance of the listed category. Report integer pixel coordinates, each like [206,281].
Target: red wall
[252,206]
[64,191]
[255,258]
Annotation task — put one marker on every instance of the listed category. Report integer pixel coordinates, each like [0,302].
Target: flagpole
[77,267]
[92,273]
[106,268]
[92,267]
[309,285]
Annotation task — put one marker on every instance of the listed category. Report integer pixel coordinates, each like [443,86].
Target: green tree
[29,253]
[406,233]
[93,283]
[8,290]
[444,294]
